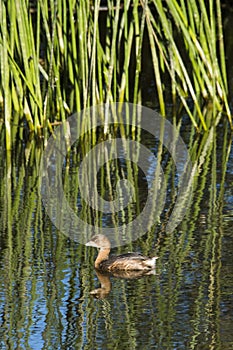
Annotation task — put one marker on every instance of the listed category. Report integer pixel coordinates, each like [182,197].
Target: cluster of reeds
[192,49]
[58,57]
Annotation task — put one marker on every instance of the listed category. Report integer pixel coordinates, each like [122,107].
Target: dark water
[46,278]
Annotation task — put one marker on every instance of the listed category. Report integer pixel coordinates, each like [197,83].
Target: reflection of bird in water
[104,290]
[125,262]
[105,283]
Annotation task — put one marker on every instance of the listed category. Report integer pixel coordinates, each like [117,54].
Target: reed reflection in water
[46,278]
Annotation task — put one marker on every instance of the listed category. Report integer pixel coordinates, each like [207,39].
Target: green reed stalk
[155,61]
[112,58]
[139,35]
[27,46]
[221,42]
[110,70]
[5,73]
[127,29]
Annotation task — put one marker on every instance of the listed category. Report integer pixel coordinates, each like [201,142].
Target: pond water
[47,278]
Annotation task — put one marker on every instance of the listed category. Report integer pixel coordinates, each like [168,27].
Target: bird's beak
[91,244]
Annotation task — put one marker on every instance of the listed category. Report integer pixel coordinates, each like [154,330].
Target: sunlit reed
[56,59]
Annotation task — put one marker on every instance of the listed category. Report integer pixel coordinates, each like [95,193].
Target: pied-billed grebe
[128,261]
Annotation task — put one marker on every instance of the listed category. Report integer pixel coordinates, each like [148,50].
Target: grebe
[128,261]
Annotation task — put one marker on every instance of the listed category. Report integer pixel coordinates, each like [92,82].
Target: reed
[61,57]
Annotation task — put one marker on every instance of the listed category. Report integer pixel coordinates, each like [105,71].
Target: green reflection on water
[46,278]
